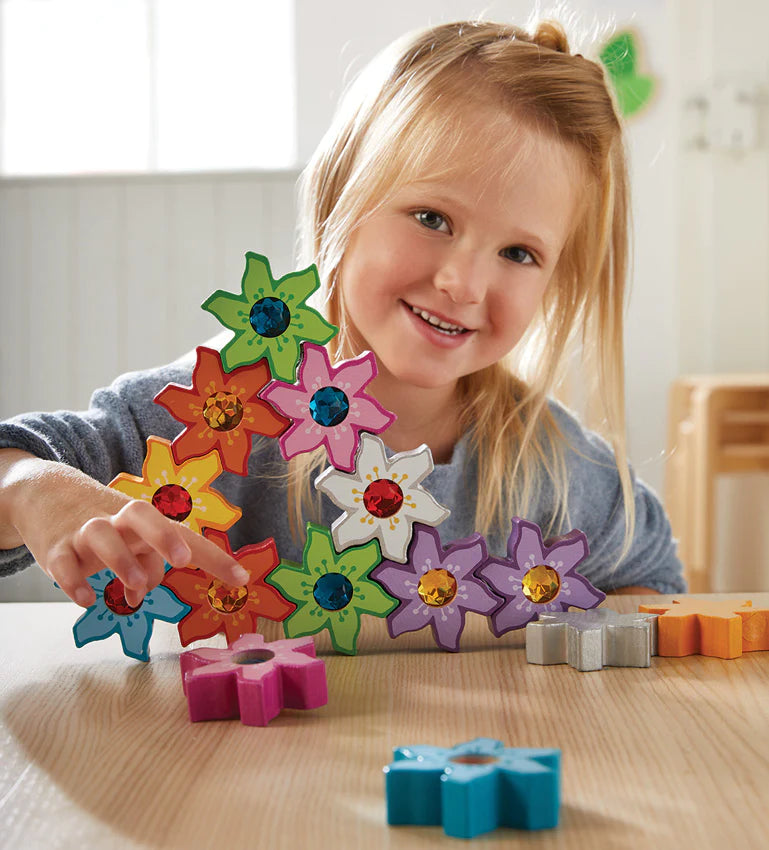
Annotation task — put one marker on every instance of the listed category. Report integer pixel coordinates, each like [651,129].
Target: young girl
[467,207]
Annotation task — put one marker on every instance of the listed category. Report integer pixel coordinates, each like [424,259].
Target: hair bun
[551,35]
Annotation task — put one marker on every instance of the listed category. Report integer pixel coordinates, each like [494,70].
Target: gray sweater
[110,437]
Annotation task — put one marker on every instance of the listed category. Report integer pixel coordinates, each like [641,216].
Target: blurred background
[146,145]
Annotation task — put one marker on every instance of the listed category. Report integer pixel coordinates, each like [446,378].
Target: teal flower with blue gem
[475,787]
[270,318]
[331,589]
[111,613]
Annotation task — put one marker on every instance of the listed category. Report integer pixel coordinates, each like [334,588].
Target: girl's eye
[518,255]
[432,220]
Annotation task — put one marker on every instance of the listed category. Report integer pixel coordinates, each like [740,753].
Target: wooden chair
[716,424]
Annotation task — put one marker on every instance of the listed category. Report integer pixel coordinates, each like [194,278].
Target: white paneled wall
[100,276]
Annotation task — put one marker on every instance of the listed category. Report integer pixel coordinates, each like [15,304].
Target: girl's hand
[74,527]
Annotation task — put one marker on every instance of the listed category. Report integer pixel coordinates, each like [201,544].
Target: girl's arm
[54,468]
[74,527]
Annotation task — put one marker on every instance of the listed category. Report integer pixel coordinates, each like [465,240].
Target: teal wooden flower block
[473,788]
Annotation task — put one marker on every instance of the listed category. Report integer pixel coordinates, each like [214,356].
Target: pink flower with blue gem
[538,576]
[328,406]
[111,613]
[437,586]
[382,498]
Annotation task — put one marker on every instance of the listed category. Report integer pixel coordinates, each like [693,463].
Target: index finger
[208,557]
[141,520]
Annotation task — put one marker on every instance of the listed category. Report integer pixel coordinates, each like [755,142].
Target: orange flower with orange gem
[182,491]
[218,607]
[221,411]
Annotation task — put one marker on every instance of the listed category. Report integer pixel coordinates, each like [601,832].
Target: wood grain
[97,750]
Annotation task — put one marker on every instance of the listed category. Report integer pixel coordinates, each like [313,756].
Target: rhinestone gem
[173,501]
[225,598]
[270,317]
[329,406]
[437,588]
[114,598]
[541,584]
[222,411]
[383,498]
[333,591]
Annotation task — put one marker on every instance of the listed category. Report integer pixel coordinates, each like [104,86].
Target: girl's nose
[461,276]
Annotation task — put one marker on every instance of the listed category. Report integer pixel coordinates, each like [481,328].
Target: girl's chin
[410,376]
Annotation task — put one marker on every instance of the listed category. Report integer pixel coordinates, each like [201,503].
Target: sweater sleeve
[108,438]
[596,507]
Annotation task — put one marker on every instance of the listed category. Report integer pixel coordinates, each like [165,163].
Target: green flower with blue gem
[331,590]
[111,613]
[270,318]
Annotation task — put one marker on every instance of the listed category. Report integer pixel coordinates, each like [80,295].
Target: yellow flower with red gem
[182,492]
[221,411]
[219,607]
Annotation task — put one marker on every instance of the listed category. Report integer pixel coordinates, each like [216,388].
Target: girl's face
[445,277]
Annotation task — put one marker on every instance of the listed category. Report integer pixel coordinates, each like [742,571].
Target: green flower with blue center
[331,590]
[270,318]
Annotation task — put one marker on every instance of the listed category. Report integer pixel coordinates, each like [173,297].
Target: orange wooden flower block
[720,628]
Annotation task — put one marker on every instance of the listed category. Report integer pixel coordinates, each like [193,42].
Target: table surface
[98,752]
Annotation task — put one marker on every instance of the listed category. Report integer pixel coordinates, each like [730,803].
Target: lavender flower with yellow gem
[538,576]
[437,586]
[382,498]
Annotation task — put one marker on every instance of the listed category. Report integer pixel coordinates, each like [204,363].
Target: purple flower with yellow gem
[110,613]
[270,318]
[437,586]
[331,589]
[328,406]
[538,576]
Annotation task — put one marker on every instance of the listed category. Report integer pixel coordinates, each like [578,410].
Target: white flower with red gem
[382,498]
[328,406]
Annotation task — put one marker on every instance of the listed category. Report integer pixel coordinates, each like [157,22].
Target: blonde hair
[387,126]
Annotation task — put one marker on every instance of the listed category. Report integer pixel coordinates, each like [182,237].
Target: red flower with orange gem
[221,411]
[219,607]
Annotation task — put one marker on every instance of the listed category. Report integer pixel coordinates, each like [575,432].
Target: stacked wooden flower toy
[382,556]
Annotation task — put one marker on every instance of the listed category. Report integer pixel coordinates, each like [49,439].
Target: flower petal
[135,636]
[231,310]
[408,618]
[95,624]
[314,327]
[257,279]
[448,626]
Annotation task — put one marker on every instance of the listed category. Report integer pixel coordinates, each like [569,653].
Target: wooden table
[97,750]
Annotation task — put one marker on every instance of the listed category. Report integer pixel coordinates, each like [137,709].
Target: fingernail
[241,575]
[83,597]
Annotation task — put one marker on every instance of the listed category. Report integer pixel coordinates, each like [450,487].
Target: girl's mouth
[438,324]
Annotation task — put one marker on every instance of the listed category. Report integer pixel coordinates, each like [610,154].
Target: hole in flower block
[253,656]
[474,758]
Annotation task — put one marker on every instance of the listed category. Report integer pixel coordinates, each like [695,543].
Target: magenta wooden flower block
[253,680]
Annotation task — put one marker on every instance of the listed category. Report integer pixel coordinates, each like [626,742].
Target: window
[94,86]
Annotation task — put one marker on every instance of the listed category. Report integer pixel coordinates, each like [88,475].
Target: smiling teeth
[438,323]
